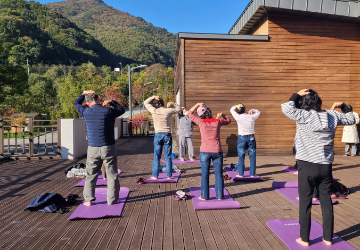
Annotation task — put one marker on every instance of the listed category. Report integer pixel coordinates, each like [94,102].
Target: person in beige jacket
[350,135]
[162,124]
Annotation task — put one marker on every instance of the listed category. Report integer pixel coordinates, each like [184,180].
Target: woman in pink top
[210,148]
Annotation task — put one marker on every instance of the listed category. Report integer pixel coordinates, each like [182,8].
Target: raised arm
[148,105]
[176,108]
[255,113]
[118,110]
[234,113]
[79,101]
[289,108]
[193,117]
[343,118]
[225,119]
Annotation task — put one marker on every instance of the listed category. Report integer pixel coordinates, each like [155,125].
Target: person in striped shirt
[246,121]
[314,143]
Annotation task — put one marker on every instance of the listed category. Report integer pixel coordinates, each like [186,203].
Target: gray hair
[91,98]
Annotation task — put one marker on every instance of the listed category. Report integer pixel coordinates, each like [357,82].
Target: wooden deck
[152,219]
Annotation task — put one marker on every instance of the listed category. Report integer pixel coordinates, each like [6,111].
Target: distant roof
[340,10]
[30,115]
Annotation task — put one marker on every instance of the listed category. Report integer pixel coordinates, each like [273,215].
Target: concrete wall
[73,137]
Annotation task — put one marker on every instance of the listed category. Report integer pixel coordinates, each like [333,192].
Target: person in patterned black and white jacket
[314,142]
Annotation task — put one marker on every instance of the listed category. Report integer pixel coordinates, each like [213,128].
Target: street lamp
[129,73]
[130,106]
[143,108]
[120,68]
[154,90]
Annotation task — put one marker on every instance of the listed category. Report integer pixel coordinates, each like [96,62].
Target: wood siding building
[287,53]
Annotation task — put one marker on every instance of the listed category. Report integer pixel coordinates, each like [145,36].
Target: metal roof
[223,36]
[341,10]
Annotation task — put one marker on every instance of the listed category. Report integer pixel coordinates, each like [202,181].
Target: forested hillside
[41,34]
[121,33]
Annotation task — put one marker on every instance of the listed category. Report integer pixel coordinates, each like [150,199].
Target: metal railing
[30,137]
[136,127]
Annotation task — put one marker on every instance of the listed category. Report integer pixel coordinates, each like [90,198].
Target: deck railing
[30,137]
[137,127]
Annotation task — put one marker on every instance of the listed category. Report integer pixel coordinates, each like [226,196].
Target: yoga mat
[286,184]
[163,178]
[100,208]
[293,170]
[178,161]
[289,230]
[293,193]
[246,177]
[100,180]
[290,170]
[212,203]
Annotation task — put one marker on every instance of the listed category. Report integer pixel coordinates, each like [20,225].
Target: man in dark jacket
[99,123]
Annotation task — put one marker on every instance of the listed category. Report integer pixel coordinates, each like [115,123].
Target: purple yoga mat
[290,170]
[178,161]
[293,170]
[212,203]
[100,208]
[293,193]
[285,184]
[163,178]
[100,181]
[246,177]
[289,230]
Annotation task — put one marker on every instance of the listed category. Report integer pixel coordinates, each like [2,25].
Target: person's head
[241,110]
[310,101]
[346,108]
[203,112]
[183,110]
[92,99]
[158,103]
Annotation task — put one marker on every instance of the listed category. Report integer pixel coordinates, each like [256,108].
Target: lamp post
[130,105]
[143,108]
[154,90]
[120,68]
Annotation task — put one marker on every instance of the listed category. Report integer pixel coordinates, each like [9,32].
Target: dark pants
[246,142]
[161,140]
[205,161]
[313,175]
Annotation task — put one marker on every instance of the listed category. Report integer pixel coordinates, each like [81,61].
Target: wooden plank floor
[151,218]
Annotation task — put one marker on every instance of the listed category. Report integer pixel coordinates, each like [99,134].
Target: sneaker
[70,174]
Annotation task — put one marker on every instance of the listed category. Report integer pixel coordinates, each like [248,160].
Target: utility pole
[27,63]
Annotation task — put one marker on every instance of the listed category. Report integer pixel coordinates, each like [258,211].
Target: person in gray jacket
[185,132]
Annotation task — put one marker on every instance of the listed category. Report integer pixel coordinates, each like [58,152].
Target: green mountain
[121,33]
[29,30]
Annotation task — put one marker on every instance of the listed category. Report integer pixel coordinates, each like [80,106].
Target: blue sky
[203,16]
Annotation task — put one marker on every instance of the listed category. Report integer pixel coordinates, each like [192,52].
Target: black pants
[313,175]
[316,193]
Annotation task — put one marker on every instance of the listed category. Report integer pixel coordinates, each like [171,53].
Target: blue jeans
[161,140]
[246,142]
[205,160]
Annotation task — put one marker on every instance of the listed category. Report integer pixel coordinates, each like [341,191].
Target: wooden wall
[302,53]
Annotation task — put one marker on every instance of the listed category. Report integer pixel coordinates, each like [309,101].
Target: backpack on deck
[339,189]
[48,203]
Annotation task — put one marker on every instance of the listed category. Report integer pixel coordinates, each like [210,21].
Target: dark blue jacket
[47,202]
[99,122]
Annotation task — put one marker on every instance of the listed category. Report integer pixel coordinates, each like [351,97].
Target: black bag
[48,203]
[339,189]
